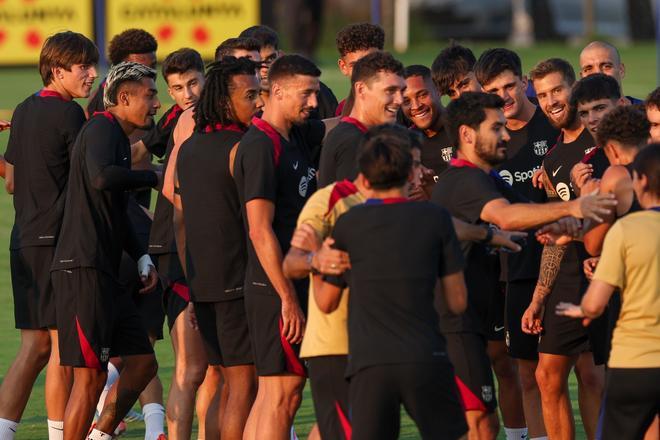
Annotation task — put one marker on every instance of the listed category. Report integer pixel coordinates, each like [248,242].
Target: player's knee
[191,375]
[590,378]
[487,425]
[39,352]
[527,378]
[549,381]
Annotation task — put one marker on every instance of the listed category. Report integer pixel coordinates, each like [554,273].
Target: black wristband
[489,235]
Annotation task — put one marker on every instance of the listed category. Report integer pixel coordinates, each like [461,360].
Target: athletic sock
[294,436]
[113,375]
[98,435]
[515,433]
[8,429]
[55,429]
[154,420]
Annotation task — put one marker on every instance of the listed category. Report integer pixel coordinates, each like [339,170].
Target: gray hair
[121,73]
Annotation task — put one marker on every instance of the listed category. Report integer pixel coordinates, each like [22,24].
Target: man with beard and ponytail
[378,84]
[499,71]
[422,106]
[215,249]
[563,343]
[477,123]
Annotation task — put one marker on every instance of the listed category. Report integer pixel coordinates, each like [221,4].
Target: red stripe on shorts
[469,401]
[293,364]
[345,423]
[91,360]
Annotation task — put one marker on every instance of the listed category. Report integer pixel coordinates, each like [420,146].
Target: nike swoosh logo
[499,329]
[295,166]
[554,173]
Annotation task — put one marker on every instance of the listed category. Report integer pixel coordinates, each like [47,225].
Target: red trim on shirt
[45,93]
[341,190]
[175,111]
[272,134]
[459,163]
[91,360]
[360,126]
[587,157]
[105,114]
[293,364]
[220,127]
[340,107]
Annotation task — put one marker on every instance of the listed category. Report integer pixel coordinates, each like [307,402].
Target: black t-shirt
[558,164]
[156,140]
[44,129]
[96,227]
[95,103]
[216,253]
[464,190]
[398,250]
[437,151]
[267,166]
[161,234]
[525,151]
[338,160]
[598,159]
[327,104]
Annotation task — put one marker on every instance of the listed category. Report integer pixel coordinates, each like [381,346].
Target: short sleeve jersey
[326,334]
[630,261]
[96,227]
[398,250]
[482,270]
[437,150]
[557,165]
[338,161]
[156,140]
[525,151]
[216,253]
[268,166]
[44,129]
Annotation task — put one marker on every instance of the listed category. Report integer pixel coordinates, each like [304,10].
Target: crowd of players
[274,200]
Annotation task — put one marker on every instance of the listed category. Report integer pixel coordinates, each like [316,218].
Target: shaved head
[601,57]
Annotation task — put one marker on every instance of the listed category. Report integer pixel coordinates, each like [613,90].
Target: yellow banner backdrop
[199,24]
[25,24]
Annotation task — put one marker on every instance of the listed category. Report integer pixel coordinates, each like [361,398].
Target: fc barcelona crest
[540,147]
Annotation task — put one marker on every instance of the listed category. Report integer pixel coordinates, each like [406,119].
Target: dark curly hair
[128,42]
[452,64]
[653,100]
[493,62]
[360,36]
[624,124]
[470,109]
[367,67]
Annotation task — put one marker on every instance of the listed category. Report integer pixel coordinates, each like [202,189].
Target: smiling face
[468,83]
[491,138]
[511,88]
[553,93]
[380,97]
[297,96]
[78,81]
[591,113]
[421,102]
[185,88]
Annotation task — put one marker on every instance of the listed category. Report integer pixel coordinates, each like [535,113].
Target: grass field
[16,84]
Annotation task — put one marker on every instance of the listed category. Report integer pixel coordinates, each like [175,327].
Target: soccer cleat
[121,429]
[133,416]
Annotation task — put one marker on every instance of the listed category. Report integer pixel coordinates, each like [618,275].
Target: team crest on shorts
[105,354]
[541,147]
[487,393]
[447,153]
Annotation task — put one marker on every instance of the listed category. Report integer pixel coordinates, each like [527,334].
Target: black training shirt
[464,190]
[267,166]
[398,250]
[216,253]
[525,152]
[95,103]
[158,137]
[96,226]
[44,129]
[338,160]
[437,150]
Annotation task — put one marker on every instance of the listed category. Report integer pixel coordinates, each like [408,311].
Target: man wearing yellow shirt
[630,262]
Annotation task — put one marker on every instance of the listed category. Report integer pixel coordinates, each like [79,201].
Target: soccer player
[601,57]
[216,251]
[239,47]
[134,45]
[499,71]
[652,105]
[477,122]
[96,318]
[564,344]
[630,262]
[183,71]
[453,71]
[274,176]
[356,41]
[44,129]
[377,83]
[421,105]
[397,354]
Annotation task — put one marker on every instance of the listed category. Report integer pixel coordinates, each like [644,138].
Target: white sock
[98,435]
[154,420]
[113,375]
[55,429]
[293,433]
[515,433]
[544,437]
[8,429]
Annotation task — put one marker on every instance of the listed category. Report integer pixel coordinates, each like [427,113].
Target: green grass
[16,84]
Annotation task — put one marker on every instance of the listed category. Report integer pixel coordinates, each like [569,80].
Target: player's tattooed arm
[550,263]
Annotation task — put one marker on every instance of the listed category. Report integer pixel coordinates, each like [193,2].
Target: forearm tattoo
[550,263]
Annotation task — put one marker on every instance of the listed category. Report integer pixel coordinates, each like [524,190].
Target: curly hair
[360,36]
[451,65]
[624,124]
[128,42]
[368,66]
[653,100]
